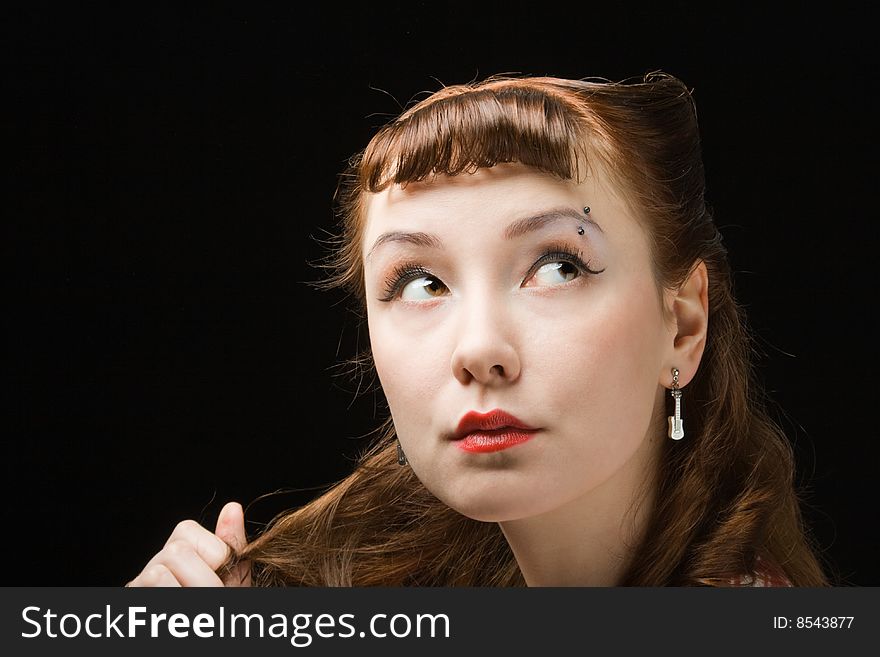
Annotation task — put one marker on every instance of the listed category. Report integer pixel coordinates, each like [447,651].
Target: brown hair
[726,499]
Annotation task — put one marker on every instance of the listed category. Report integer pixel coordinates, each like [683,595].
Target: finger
[230,528]
[187,565]
[230,525]
[212,550]
[154,575]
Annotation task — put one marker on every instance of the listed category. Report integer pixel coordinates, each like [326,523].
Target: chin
[497,511]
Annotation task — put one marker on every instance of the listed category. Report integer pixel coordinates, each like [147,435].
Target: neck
[590,540]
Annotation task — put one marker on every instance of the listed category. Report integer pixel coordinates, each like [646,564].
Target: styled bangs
[464,129]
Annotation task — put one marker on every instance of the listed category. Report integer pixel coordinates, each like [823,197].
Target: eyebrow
[515,229]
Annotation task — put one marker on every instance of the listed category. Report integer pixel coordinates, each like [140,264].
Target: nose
[484,350]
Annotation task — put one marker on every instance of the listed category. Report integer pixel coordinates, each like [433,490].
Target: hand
[192,554]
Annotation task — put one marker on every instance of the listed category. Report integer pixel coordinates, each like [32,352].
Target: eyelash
[410,271]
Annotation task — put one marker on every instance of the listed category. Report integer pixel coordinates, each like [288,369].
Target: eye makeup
[411,270]
[562,253]
[400,276]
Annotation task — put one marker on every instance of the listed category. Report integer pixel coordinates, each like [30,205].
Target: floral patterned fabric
[766,574]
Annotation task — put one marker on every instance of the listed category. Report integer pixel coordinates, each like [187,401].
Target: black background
[171,176]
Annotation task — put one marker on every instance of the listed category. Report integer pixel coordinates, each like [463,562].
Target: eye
[421,288]
[558,266]
[412,282]
[556,272]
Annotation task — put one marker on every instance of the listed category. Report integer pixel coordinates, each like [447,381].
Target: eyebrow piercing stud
[581,228]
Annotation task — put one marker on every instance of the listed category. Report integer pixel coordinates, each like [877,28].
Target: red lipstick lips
[491,432]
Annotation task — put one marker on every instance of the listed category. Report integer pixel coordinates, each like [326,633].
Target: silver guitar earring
[401,457]
[676,424]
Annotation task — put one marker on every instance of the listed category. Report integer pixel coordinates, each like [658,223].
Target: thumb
[230,529]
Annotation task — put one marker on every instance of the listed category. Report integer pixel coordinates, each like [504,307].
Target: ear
[688,308]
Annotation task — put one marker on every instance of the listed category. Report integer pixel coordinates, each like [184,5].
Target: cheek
[629,344]
[628,354]
[601,369]
[616,333]
[408,366]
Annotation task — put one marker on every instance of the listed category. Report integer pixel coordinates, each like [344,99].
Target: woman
[551,320]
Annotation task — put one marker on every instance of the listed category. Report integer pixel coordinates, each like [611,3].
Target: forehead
[462,205]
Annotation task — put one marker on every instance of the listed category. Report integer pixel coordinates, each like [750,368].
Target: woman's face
[478,298]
